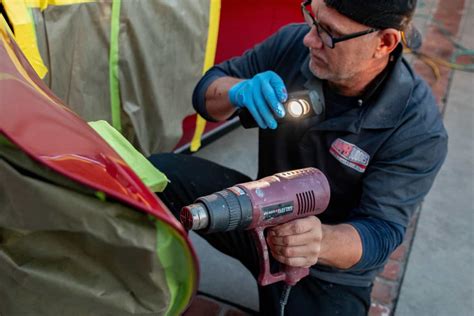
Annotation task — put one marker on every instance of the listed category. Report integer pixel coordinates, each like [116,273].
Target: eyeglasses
[327,38]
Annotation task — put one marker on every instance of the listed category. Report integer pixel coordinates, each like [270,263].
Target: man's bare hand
[296,243]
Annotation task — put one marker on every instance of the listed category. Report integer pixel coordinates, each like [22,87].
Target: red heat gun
[260,204]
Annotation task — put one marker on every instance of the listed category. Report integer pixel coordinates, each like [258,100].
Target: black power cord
[284,298]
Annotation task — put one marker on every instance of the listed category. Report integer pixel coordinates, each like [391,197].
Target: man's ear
[388,41]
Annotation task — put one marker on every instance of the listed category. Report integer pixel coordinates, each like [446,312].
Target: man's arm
[217,100]
[393,187]
[211,94]
[341,246]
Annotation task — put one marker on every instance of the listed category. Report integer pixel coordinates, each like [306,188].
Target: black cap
[379,14]
[382,14]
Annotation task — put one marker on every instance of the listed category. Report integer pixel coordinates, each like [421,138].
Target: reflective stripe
[214,17]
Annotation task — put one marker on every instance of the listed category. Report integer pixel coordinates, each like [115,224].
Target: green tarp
[63,251]
[161,48]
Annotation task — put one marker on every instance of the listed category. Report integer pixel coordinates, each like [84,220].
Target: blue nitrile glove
[261,95]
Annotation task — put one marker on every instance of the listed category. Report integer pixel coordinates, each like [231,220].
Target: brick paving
[387,283]
[447,13]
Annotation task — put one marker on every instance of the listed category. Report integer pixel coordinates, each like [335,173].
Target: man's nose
[312,39]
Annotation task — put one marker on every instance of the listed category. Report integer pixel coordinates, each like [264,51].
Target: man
[380,141]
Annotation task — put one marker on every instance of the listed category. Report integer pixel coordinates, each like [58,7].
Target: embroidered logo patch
[349,155]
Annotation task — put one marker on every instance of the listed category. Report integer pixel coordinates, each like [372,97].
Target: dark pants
[192,177]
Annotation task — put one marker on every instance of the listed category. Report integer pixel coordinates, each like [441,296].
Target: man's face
[348,58]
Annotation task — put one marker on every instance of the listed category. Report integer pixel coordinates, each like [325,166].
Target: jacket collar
[381,106]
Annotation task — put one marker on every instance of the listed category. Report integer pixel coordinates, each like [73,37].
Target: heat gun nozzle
[194,217]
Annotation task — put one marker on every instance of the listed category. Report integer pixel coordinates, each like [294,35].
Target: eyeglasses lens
[310,20]
[325,37]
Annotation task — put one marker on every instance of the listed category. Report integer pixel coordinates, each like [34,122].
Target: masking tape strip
[114,83]
[180,273]
[25,34]
[211,46]
[6,37]
[43,4]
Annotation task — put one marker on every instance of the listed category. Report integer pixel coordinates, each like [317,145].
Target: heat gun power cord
[284,298]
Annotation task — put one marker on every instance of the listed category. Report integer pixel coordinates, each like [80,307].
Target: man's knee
[164,161]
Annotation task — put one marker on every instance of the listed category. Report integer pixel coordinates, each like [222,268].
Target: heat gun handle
[290,275]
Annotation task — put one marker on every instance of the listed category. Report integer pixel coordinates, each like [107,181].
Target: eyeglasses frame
[334,40]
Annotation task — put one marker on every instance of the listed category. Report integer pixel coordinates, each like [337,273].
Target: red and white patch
[350,155]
